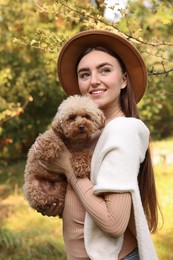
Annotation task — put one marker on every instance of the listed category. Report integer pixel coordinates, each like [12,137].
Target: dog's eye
[87,116]
[72,117]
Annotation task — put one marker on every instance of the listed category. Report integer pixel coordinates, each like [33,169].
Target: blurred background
[31,35]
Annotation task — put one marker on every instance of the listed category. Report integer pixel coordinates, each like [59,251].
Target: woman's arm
[111,211]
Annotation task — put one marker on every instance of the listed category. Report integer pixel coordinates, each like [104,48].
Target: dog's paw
[81,164]
[47,148]
[53,210]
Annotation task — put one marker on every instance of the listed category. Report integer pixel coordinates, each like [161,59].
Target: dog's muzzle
[81,128]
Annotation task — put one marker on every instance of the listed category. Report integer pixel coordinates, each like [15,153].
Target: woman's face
[100,77]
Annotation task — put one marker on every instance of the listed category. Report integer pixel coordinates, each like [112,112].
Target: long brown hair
[146,180]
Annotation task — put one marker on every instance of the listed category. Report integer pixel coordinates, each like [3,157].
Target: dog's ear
[102,119]
[56,125]
[99,119]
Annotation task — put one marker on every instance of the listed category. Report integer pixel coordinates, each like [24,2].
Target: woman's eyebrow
[104,64]
[83,69]
[98,66]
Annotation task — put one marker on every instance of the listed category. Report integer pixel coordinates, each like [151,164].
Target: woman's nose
[95,81]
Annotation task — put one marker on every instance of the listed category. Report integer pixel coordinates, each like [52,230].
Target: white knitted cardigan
[114,168]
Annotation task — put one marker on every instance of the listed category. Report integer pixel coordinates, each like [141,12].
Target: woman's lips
[97,91]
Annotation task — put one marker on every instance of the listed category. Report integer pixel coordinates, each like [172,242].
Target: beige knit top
[108,212]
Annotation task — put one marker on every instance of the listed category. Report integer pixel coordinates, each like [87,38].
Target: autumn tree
[32,34]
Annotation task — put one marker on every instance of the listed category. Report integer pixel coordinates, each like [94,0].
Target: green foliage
[24,233]
[164,182]
[14,246]
[29,88]
[32,34]
[8,240]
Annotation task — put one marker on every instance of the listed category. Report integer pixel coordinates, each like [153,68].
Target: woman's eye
[105,71]
[84,75]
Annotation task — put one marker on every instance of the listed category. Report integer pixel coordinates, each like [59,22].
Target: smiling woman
[110,214]
[102,81]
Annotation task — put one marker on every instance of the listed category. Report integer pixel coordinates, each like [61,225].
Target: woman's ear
[124,80]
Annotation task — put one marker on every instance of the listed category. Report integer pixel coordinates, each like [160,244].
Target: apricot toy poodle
[76,120]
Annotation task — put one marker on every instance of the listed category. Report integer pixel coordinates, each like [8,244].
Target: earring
[123,87]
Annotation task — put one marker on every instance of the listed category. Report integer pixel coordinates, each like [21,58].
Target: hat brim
[73,48]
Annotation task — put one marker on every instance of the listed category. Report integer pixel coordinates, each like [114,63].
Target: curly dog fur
[76,120]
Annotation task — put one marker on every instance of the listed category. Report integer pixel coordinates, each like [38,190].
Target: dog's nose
[81,127]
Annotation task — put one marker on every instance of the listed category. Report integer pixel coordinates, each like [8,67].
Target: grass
[163,239]
[26,234]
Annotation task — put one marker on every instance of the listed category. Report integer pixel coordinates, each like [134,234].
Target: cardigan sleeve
[118,155]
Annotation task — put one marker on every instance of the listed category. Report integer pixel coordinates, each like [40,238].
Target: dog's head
[78,118]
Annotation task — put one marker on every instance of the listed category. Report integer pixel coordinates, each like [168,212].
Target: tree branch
[129,37]
[151,72]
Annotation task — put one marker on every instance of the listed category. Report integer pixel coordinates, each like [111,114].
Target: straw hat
[73,48]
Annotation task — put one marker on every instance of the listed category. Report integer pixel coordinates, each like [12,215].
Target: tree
[28,73]
[32,34]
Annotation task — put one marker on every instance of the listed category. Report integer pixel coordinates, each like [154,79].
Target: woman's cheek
[82,88]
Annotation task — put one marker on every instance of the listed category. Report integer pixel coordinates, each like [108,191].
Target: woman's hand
[62,164]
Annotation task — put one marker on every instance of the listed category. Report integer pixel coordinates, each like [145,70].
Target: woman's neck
[113,113]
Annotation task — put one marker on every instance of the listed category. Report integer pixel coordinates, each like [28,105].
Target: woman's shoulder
[125,134]
[126,123]
[126,127]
